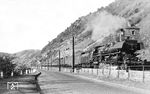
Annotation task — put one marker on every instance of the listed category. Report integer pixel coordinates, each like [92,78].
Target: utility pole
[64,55]
[64,60]
[48,59]
[51,62]
[48,63]
[73,54]
[59,62]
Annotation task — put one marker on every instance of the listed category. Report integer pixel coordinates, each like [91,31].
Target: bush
[6,65]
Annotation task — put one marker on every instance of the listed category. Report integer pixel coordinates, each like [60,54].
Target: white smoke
[104,24]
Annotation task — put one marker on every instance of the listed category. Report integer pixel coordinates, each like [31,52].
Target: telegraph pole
[51,62]
[48,63]
[73,54]
[64,60]
[48,59]
[59,62]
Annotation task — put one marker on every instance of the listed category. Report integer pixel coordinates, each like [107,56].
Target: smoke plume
[104,24]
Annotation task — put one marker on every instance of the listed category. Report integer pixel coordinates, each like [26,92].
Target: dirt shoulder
[22,85]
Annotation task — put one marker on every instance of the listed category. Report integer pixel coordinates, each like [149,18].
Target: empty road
[52,82]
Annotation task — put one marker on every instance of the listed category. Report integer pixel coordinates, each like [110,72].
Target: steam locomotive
[120,52]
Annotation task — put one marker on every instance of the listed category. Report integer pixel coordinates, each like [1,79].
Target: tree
[6,65]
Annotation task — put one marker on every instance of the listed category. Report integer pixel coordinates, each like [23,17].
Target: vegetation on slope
[26,59]
[19,61]
[102,24]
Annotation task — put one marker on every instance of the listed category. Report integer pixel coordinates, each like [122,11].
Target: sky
[31,24]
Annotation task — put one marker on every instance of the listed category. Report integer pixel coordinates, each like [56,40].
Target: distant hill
[26,58]
[97,27]
[18,61]
[4,54]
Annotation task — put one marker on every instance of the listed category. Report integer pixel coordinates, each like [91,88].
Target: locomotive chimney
[120,37]
[121,33]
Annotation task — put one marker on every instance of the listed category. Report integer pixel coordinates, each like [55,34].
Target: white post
[26,71]
[2,74]
[21,72]
[12,73]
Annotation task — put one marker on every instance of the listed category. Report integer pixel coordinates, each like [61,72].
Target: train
[120,52]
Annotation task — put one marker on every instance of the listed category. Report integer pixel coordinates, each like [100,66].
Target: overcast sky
[30,24]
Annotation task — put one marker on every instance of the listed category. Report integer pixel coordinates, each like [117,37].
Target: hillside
[137,12]
[18,61]
[26,58]
[98,27]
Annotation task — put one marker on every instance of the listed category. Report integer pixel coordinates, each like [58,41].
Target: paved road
[59,83]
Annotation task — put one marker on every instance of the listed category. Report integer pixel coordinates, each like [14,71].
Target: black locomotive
[120,52]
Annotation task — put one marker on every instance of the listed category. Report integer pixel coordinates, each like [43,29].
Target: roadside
[132,85]
[124,83]
[54,82]
[25,84]
[129,83]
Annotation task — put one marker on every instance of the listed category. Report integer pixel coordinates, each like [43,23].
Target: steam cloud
[105,24]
